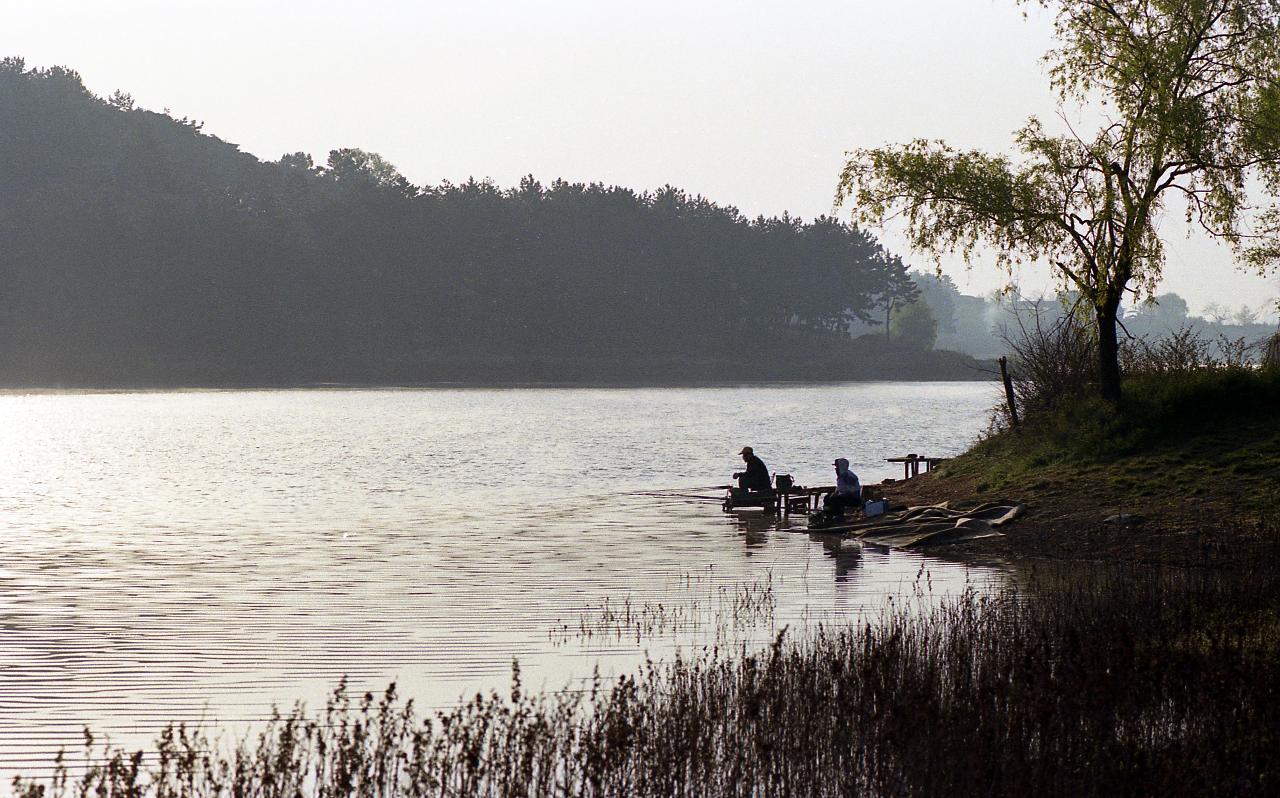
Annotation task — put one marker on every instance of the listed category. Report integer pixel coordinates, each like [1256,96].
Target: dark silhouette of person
[756,477]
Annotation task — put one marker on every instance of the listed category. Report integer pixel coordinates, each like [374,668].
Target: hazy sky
[752,104]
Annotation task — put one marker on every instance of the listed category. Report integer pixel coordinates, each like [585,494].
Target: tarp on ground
[934,525]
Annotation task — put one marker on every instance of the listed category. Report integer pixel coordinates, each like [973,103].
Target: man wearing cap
[756,477]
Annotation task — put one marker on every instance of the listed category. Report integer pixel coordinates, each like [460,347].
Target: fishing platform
[787,497]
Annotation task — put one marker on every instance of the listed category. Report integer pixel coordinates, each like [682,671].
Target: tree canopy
[914,325]
[1189,95]
[135,248]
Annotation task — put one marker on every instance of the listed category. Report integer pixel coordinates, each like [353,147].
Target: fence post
[1008,390]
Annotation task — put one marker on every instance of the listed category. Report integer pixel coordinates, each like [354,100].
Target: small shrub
[1186,350]
[1054,358]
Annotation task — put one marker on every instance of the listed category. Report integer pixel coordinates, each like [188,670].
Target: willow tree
[1189,95]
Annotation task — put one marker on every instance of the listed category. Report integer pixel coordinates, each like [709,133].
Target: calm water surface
[201,556]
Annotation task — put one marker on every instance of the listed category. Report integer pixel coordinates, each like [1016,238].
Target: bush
[1054,359]
[1186,402]
[915,325]
[1185,350]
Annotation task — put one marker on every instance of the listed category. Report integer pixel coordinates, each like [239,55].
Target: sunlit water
[201,556]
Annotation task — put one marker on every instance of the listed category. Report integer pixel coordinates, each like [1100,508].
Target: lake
[200,556]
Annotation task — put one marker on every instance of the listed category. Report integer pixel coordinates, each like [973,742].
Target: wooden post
[1008,390]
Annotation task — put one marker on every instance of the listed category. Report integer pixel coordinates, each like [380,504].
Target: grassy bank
[1192,428]
[1191,460]
[1118,681]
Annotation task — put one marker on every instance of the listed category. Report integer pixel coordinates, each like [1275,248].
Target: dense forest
[137,250]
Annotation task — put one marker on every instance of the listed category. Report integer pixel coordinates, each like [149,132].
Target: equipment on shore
[931,525]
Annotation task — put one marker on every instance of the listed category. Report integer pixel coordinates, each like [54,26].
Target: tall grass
[1117,681]
[722,611]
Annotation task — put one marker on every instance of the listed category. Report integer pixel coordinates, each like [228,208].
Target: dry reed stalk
[1103,681]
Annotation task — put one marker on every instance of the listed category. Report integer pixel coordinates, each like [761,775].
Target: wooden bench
[911,464]
[795,498]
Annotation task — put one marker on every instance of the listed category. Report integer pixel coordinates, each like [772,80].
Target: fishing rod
[680,493]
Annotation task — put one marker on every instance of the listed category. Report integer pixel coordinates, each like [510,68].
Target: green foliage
[1189,89]
[1161,407]
[939,291]
[1168,311]
[138,250]
[121,101]
[953,200]
[914,325]
[360,168]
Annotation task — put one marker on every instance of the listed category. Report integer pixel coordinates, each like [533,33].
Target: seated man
[756,477]
[848,492]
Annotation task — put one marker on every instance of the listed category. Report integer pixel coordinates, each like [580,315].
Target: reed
[1107,681]
[719,613]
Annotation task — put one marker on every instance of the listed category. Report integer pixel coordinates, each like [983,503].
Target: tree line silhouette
[139,250]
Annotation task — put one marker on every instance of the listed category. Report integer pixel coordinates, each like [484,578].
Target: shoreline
[1190,506]
[447,385]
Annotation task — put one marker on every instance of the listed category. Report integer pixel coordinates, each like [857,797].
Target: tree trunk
[1271,358]
[1108,352]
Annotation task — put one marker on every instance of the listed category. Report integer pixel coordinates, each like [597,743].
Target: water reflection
[200,556]
[754,527]
[846,553]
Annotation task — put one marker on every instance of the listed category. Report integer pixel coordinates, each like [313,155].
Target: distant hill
[136,250]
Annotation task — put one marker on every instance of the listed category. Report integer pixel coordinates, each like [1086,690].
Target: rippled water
[201,556]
